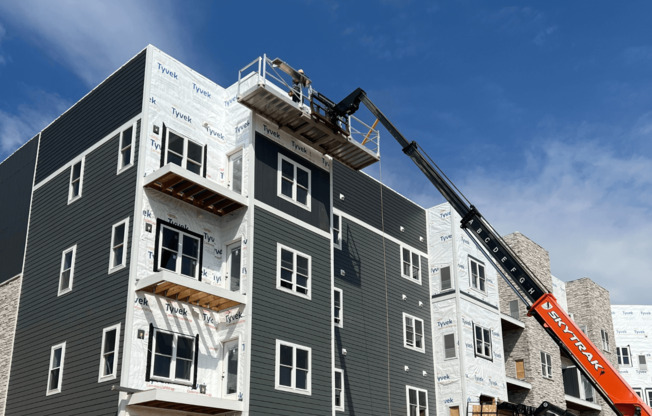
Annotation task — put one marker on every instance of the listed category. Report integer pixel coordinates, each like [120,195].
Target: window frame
[642,366]
[604,335]
[125,241]
[279,182]
[231,157]
[159,248]
[414,347]
[292,388]
[621,356]
[338,374]
[116,351]
[173,359]
[73,249]
[229,263]
[72,198]
[338,318]
[184,156]
[225,370]
[477,282]
[410,264]
[450,278]
[56,390]
[546,365]
[514,311]
[337,232]
[454,349]
[648,396]
[484,341]
[417,404]
[121,165]
[279,265]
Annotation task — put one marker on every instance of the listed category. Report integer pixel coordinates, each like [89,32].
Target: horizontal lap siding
[97,299]
[281,315]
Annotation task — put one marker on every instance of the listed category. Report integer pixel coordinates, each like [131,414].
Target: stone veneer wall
[527,343]
[9,298]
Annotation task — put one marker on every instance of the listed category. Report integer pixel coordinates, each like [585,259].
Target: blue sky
[540,112]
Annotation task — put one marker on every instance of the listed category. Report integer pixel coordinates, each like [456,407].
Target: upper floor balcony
[184,402]
[285,96]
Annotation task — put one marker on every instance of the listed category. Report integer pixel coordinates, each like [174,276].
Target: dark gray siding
[372,331]
[111,104]
[16,175]
[267,187]
[281,315]
[96,301]
[362,200]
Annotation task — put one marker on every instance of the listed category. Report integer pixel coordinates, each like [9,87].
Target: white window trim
[546,365]
[292,388]
[339,324]
[184,156]
[280,247]
[230,158]
[72,198]
[279,181]
[619,355]
[472,281]
[412,252]
[441,279]
[454,357]
[338,373]
[604,335]
[407,398]
[123,261]
[121,167]
[101,377]
[225,369]
[60,291]
[642,366]
[475,343]
[60,381]
[177,268]
[227,249]
[337,243]
[648,396]
[423,335]
[173,363]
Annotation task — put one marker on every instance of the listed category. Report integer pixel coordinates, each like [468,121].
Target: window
[337,234]
[624,356]
[76,181]
[173,357]
[642,363]
[230,367]
[482,342]
[293,182]
[55,373]
[234,265]
[638,391]
[118,256]
[235,171]
[413,333]
[293,272]
[67,271]
[185,153]
[109,355]
[648,393]
[445,276]
[338,394]
[584,329]
[126,156]
[520,369]
[338,308]
[454,411]
[411,265]
[449,346]
[477,274]
[179,251]
[546,365]
[292,367]
[513,309]
[605,339]
[417,400]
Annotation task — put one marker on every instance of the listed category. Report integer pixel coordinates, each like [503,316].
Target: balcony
[509,322]
[266,88]
[515,384]
[185,289]
[184,402]
[193,189]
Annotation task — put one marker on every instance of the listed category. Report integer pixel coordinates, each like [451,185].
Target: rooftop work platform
[285,96]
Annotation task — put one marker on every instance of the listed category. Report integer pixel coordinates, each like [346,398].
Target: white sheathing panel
[633,328]
[559,290]
[467,376]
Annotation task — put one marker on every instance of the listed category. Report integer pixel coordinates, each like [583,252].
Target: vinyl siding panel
[16,175]
[97,299]
[111,104]
[280,315]
[372,332]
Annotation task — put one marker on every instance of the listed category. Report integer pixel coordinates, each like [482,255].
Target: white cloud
[94,38]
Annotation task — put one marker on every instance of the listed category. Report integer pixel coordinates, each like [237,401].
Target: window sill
[295,202]
[293,390]
[293,292]
[417,281]
[116,268]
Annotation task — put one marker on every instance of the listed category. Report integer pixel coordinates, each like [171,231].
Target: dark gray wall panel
[111,104]
[281,315]
[266,184]
[372,331]
[96,301]
[362,200]
[16,175]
